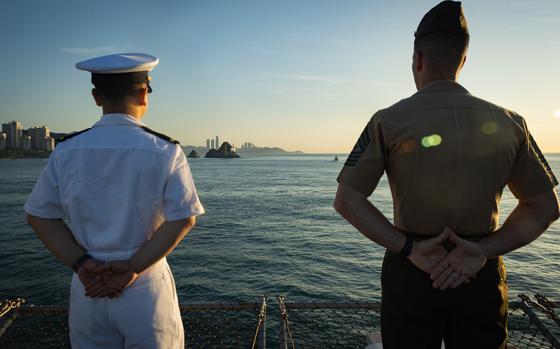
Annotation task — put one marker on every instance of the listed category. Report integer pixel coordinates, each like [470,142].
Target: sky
[302,75]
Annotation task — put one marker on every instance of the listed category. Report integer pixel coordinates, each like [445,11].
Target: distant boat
[335,158]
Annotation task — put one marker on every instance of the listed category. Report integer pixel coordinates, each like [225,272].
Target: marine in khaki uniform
[448,156]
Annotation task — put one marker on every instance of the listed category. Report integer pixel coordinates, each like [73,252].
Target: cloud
[94,50]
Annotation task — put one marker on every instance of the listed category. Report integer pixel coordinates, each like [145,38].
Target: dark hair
[116,92]
[443,52]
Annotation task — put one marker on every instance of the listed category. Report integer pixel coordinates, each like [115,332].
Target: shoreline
[14,154]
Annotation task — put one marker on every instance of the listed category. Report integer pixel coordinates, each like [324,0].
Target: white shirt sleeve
[44,200]
[180,200]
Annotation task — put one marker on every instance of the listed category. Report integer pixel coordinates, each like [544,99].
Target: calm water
[270,228]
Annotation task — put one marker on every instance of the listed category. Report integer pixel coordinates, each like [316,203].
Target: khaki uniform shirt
[448,156]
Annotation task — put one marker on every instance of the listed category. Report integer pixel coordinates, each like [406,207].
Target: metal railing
[533,323]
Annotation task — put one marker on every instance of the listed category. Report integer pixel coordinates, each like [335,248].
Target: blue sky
[303,75]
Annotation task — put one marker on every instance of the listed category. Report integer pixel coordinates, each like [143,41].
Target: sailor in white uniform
[129,197]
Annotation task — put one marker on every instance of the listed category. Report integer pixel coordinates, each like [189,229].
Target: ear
[142,96]
[96,97]
[418,60]
[463,62]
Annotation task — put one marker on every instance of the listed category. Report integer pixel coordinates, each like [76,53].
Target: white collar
[119,119]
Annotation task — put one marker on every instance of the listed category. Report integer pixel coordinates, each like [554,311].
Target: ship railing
[533,322]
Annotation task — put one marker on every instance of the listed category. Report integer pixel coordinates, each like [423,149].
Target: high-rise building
[217,142]
[247,145]
[212,144]
[48,144]
[2,140]
[14,133]
[26,142]
[38,136]
[208,144]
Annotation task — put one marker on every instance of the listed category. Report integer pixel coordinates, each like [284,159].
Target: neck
[136,113]
[426,79]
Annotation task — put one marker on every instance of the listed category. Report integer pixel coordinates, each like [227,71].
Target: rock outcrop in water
[193,154]
[226,151]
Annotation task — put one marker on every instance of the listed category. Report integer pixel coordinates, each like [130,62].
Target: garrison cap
[121,68]
[447,17]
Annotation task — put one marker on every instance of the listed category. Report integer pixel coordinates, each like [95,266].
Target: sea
[269,229]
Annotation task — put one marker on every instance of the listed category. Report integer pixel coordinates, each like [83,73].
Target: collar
[118,119]
[443,86]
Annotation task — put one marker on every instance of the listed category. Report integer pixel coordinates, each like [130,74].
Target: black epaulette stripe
[359,148]
[71,135]
[542,159]
[160,135]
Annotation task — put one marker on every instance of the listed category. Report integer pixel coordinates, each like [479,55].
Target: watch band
[407,248]
[80,261]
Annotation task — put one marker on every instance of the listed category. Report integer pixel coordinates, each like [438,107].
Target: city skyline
[297,75]
[37,135]
[37,138]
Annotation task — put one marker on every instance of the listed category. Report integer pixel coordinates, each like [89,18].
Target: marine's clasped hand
[448,268]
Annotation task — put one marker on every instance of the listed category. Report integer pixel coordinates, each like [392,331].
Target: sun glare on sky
[557,113]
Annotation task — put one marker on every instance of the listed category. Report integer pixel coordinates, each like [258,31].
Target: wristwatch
[407,248]
[80,261]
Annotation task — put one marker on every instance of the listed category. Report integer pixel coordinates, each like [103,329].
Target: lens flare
[407,146]
[431,141]
[489,128]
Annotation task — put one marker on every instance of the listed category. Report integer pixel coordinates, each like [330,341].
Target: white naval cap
[121,68]
[119,63]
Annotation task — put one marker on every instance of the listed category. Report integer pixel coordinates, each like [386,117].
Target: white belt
[155,272]
[108,256]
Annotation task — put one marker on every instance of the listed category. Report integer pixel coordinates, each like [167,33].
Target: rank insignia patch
[359,149]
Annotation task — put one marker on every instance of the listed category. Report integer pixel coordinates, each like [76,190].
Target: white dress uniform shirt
[116,184]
